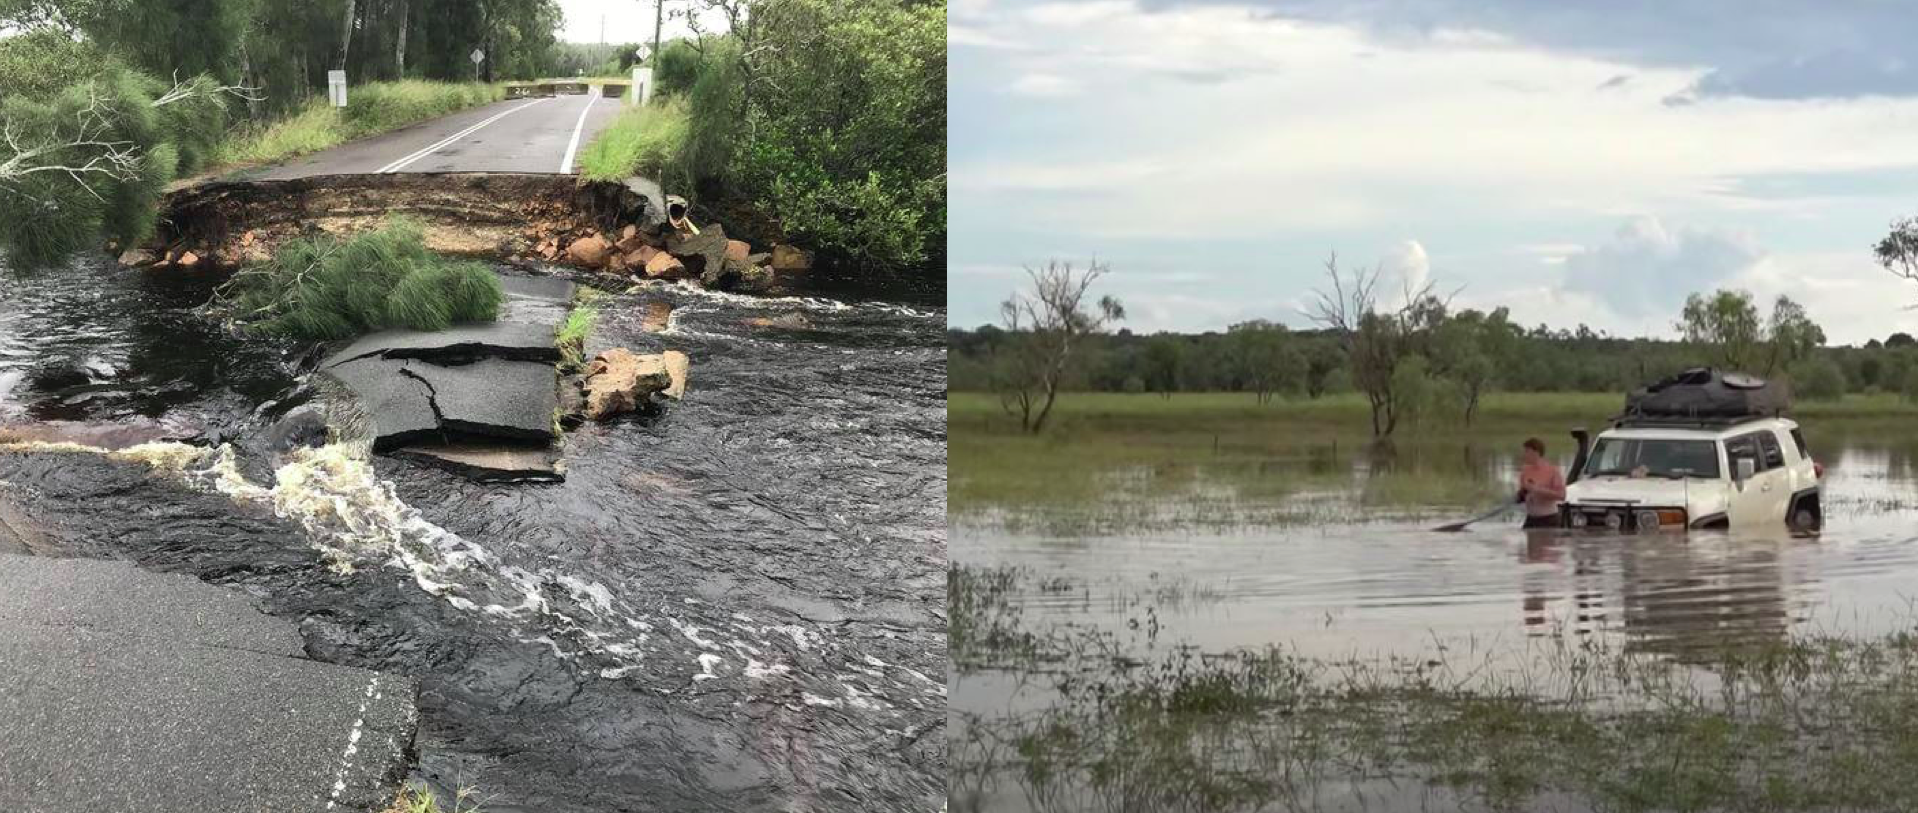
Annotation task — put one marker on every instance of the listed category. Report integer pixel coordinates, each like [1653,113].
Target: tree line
[1412,356]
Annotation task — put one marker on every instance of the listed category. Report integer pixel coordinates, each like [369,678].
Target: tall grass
[373,108]
[641,141]
[331,288]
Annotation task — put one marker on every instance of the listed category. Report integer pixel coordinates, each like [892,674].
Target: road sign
[336,87]
[476,56]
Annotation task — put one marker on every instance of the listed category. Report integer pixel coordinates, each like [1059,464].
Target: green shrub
[642,140]
[39,63]
[676,68]
[330,288]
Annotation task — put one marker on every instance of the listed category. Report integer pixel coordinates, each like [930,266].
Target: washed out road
[540,135]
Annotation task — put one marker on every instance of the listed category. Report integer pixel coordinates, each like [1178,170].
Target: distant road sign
[476,56]
[336,87]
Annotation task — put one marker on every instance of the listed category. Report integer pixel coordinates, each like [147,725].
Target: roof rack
[1624,421]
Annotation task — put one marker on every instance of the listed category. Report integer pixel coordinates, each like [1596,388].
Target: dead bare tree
[1376,342]
[1898,252]
[1046,327]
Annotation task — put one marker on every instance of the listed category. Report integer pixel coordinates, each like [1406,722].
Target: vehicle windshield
[1647,457]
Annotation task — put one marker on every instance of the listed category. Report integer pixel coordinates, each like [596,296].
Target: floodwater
[1360,584]
[736,604]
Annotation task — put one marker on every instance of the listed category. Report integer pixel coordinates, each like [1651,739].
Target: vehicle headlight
[1579,520]
[1614,520]
[1647,520]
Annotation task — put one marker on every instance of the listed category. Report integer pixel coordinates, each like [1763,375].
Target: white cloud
[1044,85]
[1406,269]
[1648,268]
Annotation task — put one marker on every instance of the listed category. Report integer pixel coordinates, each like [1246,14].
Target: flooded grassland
[1202,604]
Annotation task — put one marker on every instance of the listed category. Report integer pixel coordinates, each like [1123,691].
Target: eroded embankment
[484,215]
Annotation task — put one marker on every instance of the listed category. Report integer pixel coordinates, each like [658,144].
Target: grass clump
[423,800]
[570,337]
[372,108]
[641,141]
[331,288]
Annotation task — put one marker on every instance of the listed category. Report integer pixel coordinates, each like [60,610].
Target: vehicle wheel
[1806,516]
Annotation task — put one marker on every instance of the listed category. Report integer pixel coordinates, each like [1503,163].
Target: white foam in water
[352,516]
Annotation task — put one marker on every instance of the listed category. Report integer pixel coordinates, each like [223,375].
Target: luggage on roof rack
[1706,395]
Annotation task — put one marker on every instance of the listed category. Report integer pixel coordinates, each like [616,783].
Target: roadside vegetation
[325,288]
[370,109]
[640,141]
[825,117]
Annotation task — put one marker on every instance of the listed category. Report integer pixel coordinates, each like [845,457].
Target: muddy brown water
[1375,584]
[735,604]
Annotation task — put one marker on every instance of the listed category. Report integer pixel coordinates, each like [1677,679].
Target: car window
[1653,457]
[1774,455]
[1743,447]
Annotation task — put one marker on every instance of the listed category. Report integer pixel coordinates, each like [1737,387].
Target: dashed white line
[352,744]
[566,163]
[442,143]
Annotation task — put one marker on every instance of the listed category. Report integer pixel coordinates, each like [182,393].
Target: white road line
[441,144]
[566,164]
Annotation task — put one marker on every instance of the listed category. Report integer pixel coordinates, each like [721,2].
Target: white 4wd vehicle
[1647,474]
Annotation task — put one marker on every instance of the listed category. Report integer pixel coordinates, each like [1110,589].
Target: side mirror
[1746,468]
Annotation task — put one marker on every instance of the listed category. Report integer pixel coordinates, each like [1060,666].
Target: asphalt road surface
[541,135]
[130,690]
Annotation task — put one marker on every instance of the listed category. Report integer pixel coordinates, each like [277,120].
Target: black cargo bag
[1705,392]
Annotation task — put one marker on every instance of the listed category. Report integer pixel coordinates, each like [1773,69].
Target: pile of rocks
[618,381]
[665,252]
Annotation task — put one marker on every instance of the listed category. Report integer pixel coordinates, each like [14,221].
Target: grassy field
[1107,452]
[372,108]
[641,141]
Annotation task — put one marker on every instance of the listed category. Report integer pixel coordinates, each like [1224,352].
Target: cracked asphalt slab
[131,690]
[516,135]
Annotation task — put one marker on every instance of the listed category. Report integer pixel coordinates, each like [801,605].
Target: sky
[626,20]
[1578,162]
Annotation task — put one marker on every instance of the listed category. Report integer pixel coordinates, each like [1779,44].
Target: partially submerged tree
[88,164]
[1047,327]
[1727,324]
[1377,342]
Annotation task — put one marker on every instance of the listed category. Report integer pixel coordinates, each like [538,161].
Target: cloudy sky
[626,20]
[1578,162]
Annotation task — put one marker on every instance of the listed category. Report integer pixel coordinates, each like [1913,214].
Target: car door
[1752,500]
[1773,478]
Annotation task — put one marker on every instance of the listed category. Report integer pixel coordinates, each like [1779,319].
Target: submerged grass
[326,288]
[423,800]
[640,141]
[372,108]
[1796,723]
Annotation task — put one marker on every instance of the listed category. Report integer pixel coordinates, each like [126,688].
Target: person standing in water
[1541,486]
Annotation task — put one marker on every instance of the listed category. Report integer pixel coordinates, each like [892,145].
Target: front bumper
[1620,518]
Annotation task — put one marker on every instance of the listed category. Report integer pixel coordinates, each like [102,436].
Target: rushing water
[734,605]
[1357,585]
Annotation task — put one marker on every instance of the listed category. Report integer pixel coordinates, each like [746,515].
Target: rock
[303,426]
[629,233]
[629,244]
[136,257]
[636,260]
[677,367]
[703,254]
[188,260]
[665,266]
[248,238]
[787,259]
[787,321]
[738,250]
[619,381]
[761,258]
[616,262]
[656,317]
[589,252]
